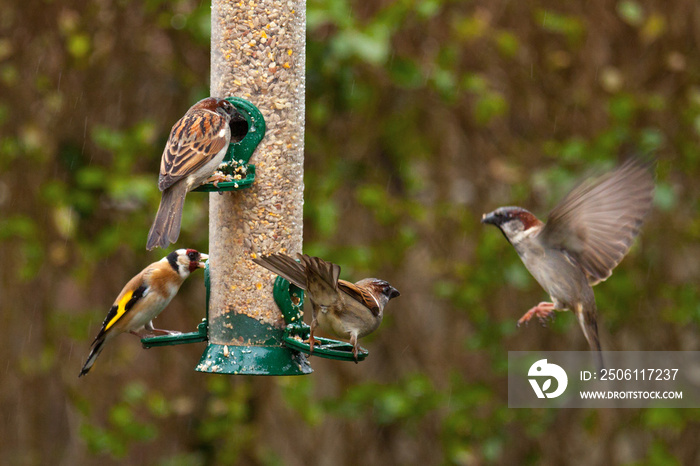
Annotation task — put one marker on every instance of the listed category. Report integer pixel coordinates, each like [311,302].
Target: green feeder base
[253,360]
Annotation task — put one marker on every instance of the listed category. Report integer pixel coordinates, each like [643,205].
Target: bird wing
[321,281]
[132,293]
[362,295]
[194,140]
[598,220]
[327,272]
[285,267]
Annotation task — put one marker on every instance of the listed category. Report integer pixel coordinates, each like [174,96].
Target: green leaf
[79,45]
[489,106]
[569,26]
[631,12]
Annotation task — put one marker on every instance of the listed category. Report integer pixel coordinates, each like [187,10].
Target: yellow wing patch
[121,309]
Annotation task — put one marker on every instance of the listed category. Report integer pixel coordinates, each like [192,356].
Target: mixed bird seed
[258,54]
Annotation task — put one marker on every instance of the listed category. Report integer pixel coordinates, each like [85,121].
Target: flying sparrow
[586,235]
[196,147]
[339,307]
[143,298]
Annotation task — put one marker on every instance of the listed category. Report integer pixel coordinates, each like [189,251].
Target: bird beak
[203,257]
[489,218]
[394,293]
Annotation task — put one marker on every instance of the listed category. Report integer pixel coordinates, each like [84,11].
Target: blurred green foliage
[421,116]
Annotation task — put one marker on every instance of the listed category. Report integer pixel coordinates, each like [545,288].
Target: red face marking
[194,257]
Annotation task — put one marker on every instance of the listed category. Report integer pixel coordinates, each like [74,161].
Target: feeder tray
[236,160]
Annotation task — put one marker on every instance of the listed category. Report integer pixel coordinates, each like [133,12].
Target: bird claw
[543,311]
[355,347]
[155,332]
[217,178]
[312,341]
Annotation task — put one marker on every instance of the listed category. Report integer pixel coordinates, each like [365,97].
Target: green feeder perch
[247,135]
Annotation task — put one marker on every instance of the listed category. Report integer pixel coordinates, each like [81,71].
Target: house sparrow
[144,297]
[339,307]
[586,236]
[196,147]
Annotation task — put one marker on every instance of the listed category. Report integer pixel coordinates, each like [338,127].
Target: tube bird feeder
[258,64]
[258,54]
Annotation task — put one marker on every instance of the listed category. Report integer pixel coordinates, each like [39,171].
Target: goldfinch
[196,147]
[347,310]
[143,298]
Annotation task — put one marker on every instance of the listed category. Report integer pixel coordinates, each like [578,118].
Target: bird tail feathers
[586,315]
[285,267]
[94,352]
[166,226]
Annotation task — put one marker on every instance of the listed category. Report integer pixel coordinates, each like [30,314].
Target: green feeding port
[276,352]
[246,134]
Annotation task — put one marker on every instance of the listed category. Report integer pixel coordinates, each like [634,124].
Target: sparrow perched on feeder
[196,147]
[339,307]
[143,298]
[586,235]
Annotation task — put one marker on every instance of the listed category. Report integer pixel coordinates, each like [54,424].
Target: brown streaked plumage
[586,236]
[347,310]
[143,298]
[196,147]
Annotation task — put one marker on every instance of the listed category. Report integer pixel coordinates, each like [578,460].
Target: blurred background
[421,116]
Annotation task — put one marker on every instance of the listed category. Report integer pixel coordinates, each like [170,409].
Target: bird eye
[192,255]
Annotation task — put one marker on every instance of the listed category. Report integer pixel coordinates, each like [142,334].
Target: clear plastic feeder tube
[258,53]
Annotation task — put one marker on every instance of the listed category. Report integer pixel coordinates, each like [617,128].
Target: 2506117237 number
[638,374]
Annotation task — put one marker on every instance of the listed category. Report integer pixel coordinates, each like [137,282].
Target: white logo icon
[542,369]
